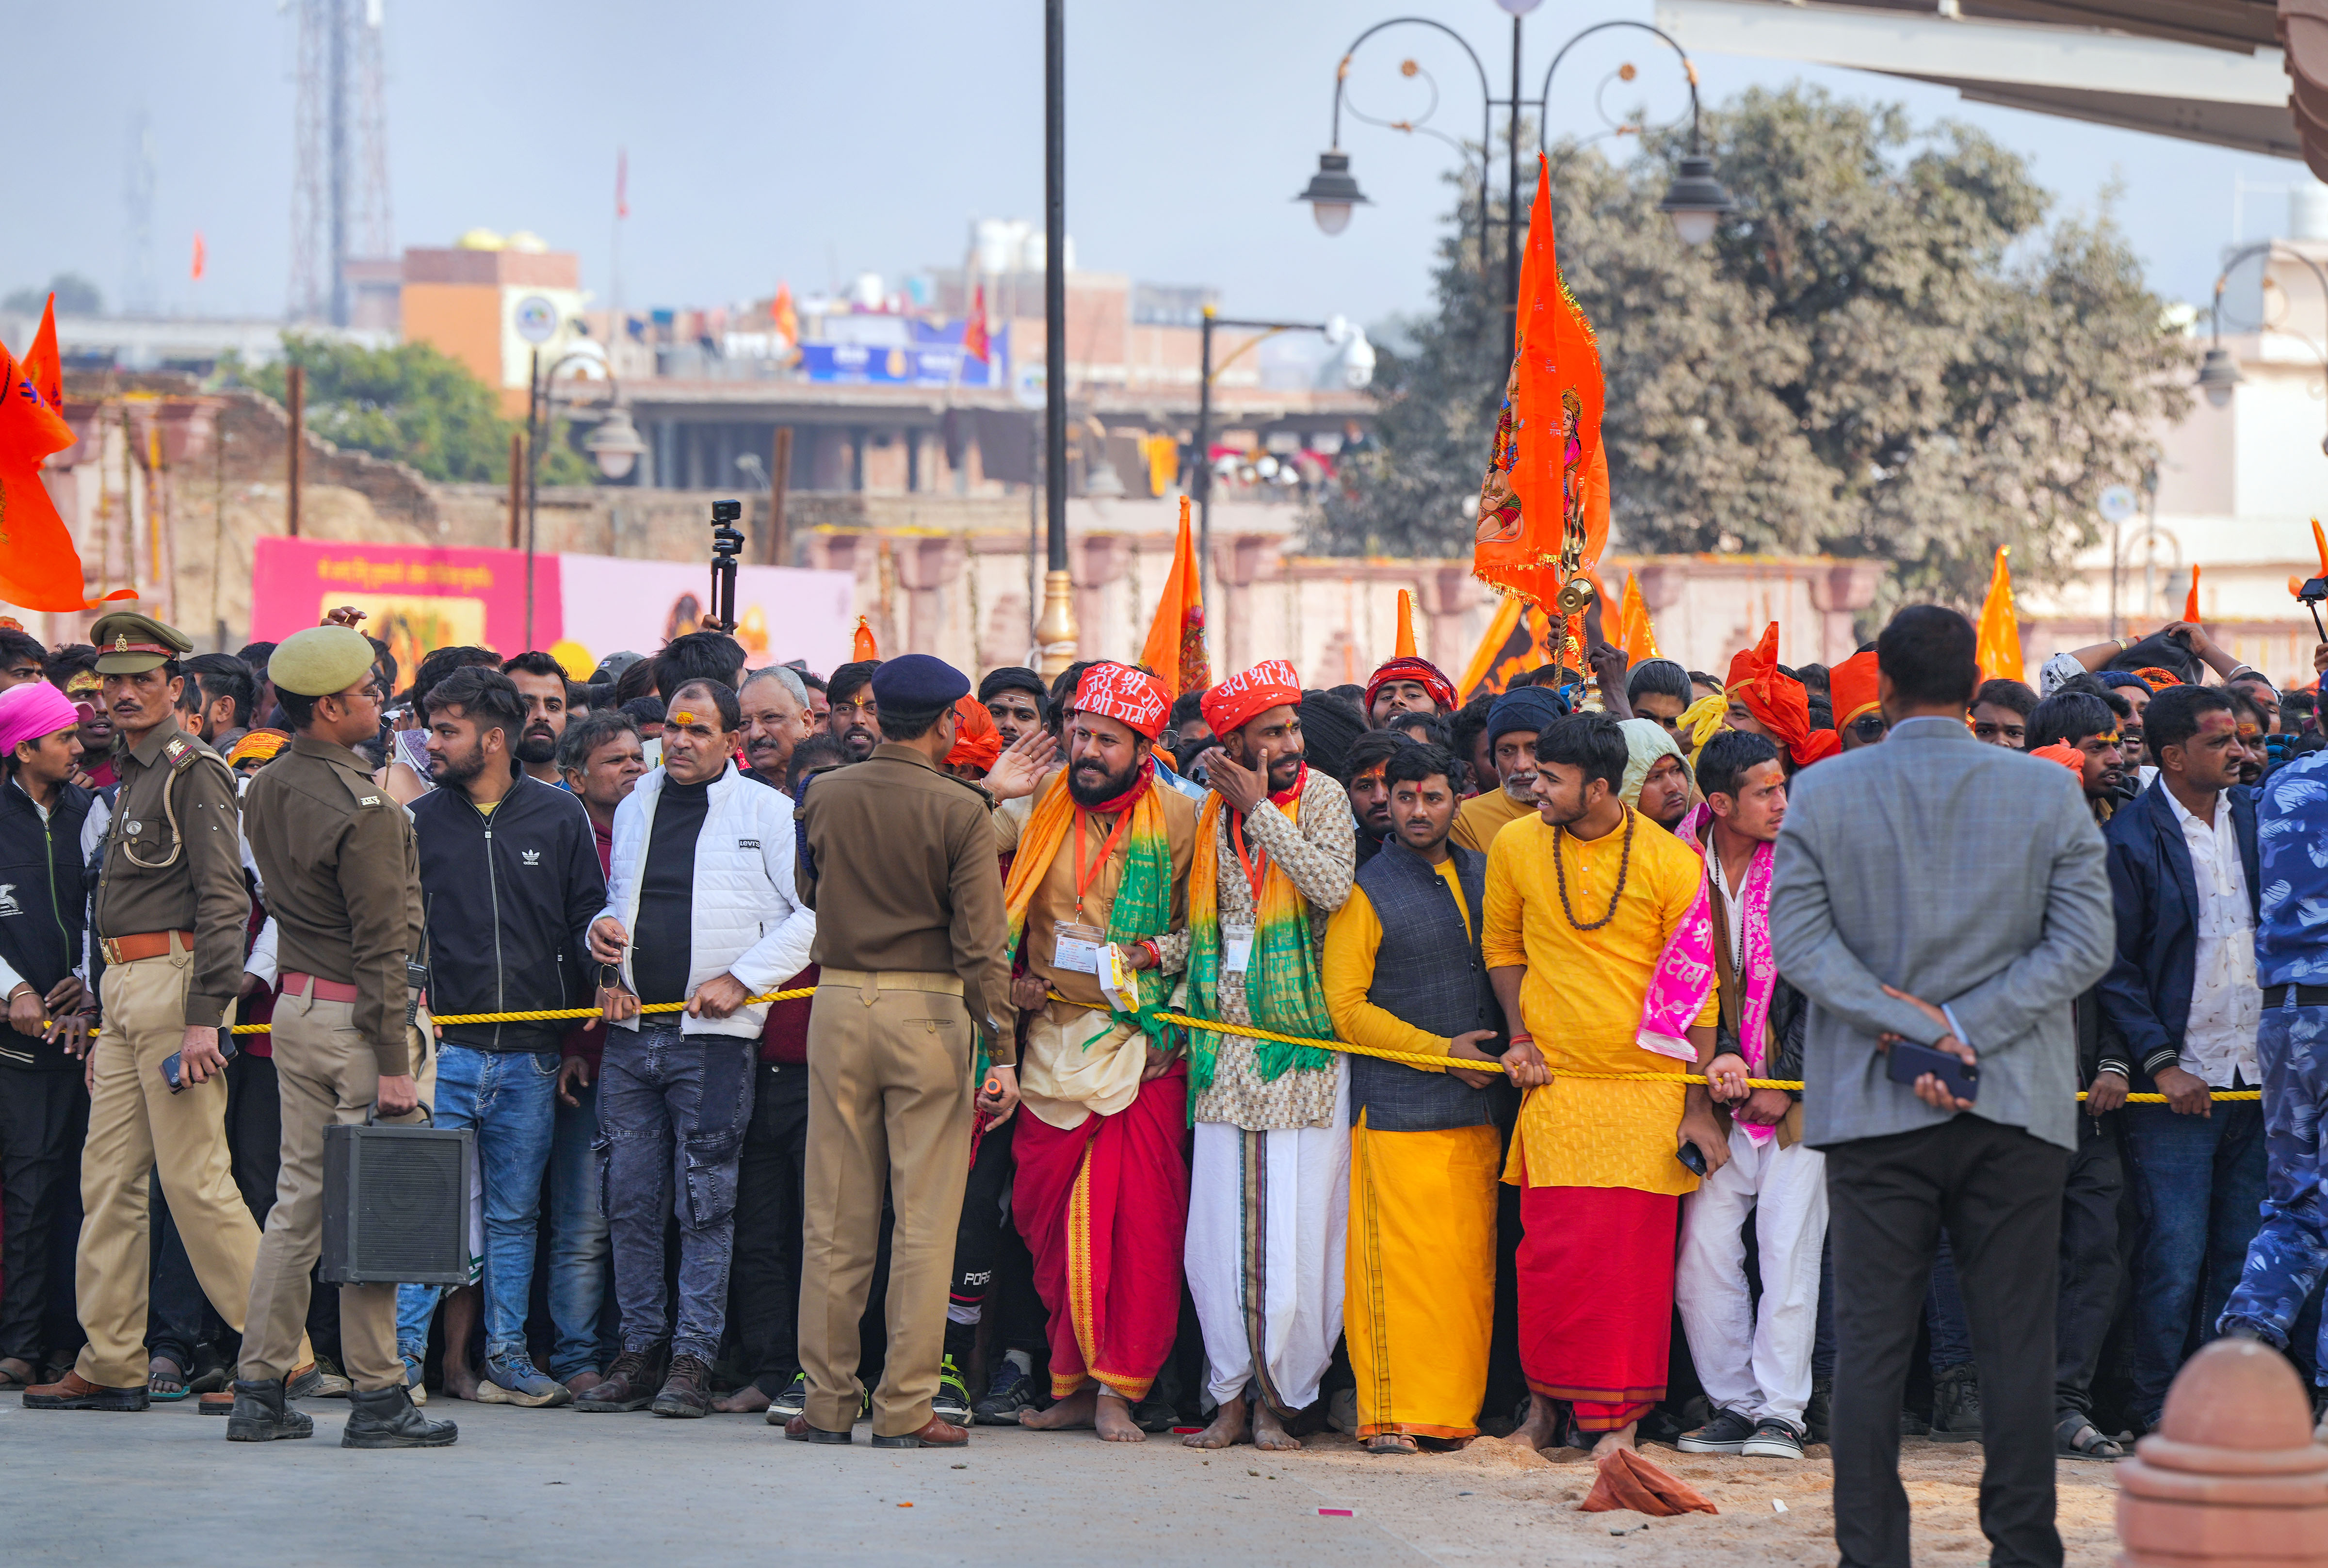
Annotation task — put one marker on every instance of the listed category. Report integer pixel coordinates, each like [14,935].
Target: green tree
[412,403]
[76,296]
[1885,352]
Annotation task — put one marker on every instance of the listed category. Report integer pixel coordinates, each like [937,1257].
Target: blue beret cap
[916,682]
[1531,708]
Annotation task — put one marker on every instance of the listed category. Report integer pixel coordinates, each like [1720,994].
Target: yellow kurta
[1478,820]
[1582,1000]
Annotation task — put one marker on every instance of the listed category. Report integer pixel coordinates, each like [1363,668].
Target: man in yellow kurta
[1580,903]
[1419,1303]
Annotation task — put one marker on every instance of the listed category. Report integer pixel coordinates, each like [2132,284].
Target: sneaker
[952,1404]
[514,1377]
[1773,1439]
[1342,1411]
[1955,1405]
[1012,1392]
[331,1383]
[790,1402]
[1727,1432]
[413,1385]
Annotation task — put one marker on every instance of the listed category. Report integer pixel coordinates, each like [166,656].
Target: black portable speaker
[396,1205]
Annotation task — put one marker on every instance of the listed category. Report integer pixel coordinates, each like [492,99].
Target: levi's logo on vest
[748,843]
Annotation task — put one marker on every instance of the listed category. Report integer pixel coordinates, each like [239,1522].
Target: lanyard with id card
[1237,945]
[1074,945]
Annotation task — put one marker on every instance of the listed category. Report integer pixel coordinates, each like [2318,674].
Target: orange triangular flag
[2190,599]
[862,647]
[43,363]
[40,570]
[1405,647]
[1998,649]
[1512,645]
[2320,542]
[1175,650]
[1634,634]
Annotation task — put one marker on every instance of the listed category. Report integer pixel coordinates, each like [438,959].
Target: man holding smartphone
[1889,911]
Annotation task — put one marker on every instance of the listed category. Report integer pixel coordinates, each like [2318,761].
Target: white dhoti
[1268,1224]
[1758,1364]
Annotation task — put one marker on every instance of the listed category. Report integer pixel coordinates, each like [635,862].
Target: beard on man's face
[856,738]
[1089,784]
[536,748]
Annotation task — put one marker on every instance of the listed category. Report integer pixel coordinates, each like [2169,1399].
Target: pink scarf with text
[1687,971]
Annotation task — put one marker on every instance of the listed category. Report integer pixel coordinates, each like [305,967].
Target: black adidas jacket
[43,904]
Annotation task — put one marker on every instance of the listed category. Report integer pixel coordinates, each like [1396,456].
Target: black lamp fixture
[1332,192]
[1696,203]
[2218,374]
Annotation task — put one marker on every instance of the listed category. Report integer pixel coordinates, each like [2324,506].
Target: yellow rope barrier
[1246,1031]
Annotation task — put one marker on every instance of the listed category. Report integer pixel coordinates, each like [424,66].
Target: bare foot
[746,1401]
[1621,1438]
[1268,1432]
[583,1381]
[1390,1442]
[1114,1419]
[1076,1410]
[1228,1427]
[1541,1430]
[460,1382]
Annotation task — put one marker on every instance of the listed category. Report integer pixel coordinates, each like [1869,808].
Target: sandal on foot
[2077,1438]
[1390,1442]
[165,1388]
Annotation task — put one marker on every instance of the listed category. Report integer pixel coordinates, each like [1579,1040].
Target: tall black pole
[1203,477]
[1512,189]
[1057,631]
[534,424]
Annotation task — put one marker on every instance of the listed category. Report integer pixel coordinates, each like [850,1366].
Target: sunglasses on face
[1870,727]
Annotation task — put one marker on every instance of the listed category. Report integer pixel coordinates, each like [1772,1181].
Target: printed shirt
[2220,1040]
[2292,845]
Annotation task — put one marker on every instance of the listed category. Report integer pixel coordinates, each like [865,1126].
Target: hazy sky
[778,140]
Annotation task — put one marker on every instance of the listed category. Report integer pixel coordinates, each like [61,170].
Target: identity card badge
[1075,948]
[1237,945]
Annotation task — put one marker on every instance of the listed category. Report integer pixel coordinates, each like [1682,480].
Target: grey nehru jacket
[1967,875]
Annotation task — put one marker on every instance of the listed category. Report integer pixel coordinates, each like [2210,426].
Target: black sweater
[43,900]
[667,892]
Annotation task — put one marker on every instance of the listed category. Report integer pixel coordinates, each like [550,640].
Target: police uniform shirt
[173,861]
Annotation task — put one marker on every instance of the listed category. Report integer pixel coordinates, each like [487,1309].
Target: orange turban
[976,742]
[1778,701]
[1235,702]
[1129,696]
[262,744]
[2067,755]
[1851,685]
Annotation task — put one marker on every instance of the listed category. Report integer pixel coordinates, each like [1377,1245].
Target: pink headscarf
[33,711]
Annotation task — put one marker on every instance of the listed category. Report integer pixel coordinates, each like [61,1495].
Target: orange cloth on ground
[1582,1000]
[1627,1481]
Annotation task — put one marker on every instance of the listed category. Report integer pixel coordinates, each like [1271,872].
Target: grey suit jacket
[1967,875]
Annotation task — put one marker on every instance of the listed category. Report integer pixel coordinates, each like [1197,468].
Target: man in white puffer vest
[701,909]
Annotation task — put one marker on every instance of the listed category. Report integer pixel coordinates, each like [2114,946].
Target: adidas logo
[531,857]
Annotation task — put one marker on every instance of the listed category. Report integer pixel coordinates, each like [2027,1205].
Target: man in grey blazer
[1955,895]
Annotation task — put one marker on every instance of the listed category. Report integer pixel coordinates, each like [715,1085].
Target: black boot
[386,1418]
[1955,1405]
[259,1414]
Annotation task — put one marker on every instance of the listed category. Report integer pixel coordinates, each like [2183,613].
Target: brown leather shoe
[74,1392]
[220,1403]
[630,1384]
[798,1429]
[686,1391]
[936,1432]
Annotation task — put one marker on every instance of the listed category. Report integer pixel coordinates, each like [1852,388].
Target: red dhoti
[1105,1209]
[1596,1288]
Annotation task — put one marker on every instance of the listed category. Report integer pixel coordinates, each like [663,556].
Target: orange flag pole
[861,646]
[2190,599]
[1998,649]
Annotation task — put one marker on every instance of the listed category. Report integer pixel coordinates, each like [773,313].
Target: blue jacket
[2146,994]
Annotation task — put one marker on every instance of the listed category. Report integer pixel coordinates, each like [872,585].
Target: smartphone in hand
[1910,1062]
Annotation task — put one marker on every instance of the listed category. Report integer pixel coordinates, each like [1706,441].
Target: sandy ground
[553,1487]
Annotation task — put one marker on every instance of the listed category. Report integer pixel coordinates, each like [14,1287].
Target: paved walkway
[165,1490]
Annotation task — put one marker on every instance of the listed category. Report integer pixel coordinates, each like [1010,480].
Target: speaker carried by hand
[396,1205]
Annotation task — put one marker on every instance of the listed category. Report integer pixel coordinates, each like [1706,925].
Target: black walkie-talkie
[726,544]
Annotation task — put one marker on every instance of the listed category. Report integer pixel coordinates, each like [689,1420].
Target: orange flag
[1998,649]
[40,570]
[1174,649]
[1634,633]
[1516,642]
[43,363]
[201,257]
[861,647]
[1405,647]
[1549,450]
[2320,543]
[2190,599]
[974,344]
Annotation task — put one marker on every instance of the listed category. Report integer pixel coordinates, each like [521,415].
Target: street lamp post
[2219,372]
[1054,633]
[1695,202]
[1205,437]
[614,446]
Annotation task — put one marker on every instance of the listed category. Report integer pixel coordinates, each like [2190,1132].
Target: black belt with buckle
[2295,996]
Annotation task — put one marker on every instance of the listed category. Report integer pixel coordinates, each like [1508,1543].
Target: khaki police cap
[129,644]
[320,661]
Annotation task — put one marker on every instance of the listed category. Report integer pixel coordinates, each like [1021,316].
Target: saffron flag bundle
[1175,650]
[40,570]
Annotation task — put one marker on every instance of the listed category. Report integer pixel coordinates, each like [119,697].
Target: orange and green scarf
[1284,990]
[1142,907]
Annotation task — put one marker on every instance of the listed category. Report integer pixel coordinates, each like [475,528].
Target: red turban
[976,742]
[1231,705]
[1852,687]
[1442,689]
[1129,696]
[1777,702]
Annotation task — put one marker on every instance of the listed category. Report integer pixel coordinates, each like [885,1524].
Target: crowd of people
[1075,1052]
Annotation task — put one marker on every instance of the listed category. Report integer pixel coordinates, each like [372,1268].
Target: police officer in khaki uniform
[169,917]
[343,877]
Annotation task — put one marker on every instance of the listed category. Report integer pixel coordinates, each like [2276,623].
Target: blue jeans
[671,1114]
[508,1098]
[2200,1183]
[2290,1251]
[581,1264]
